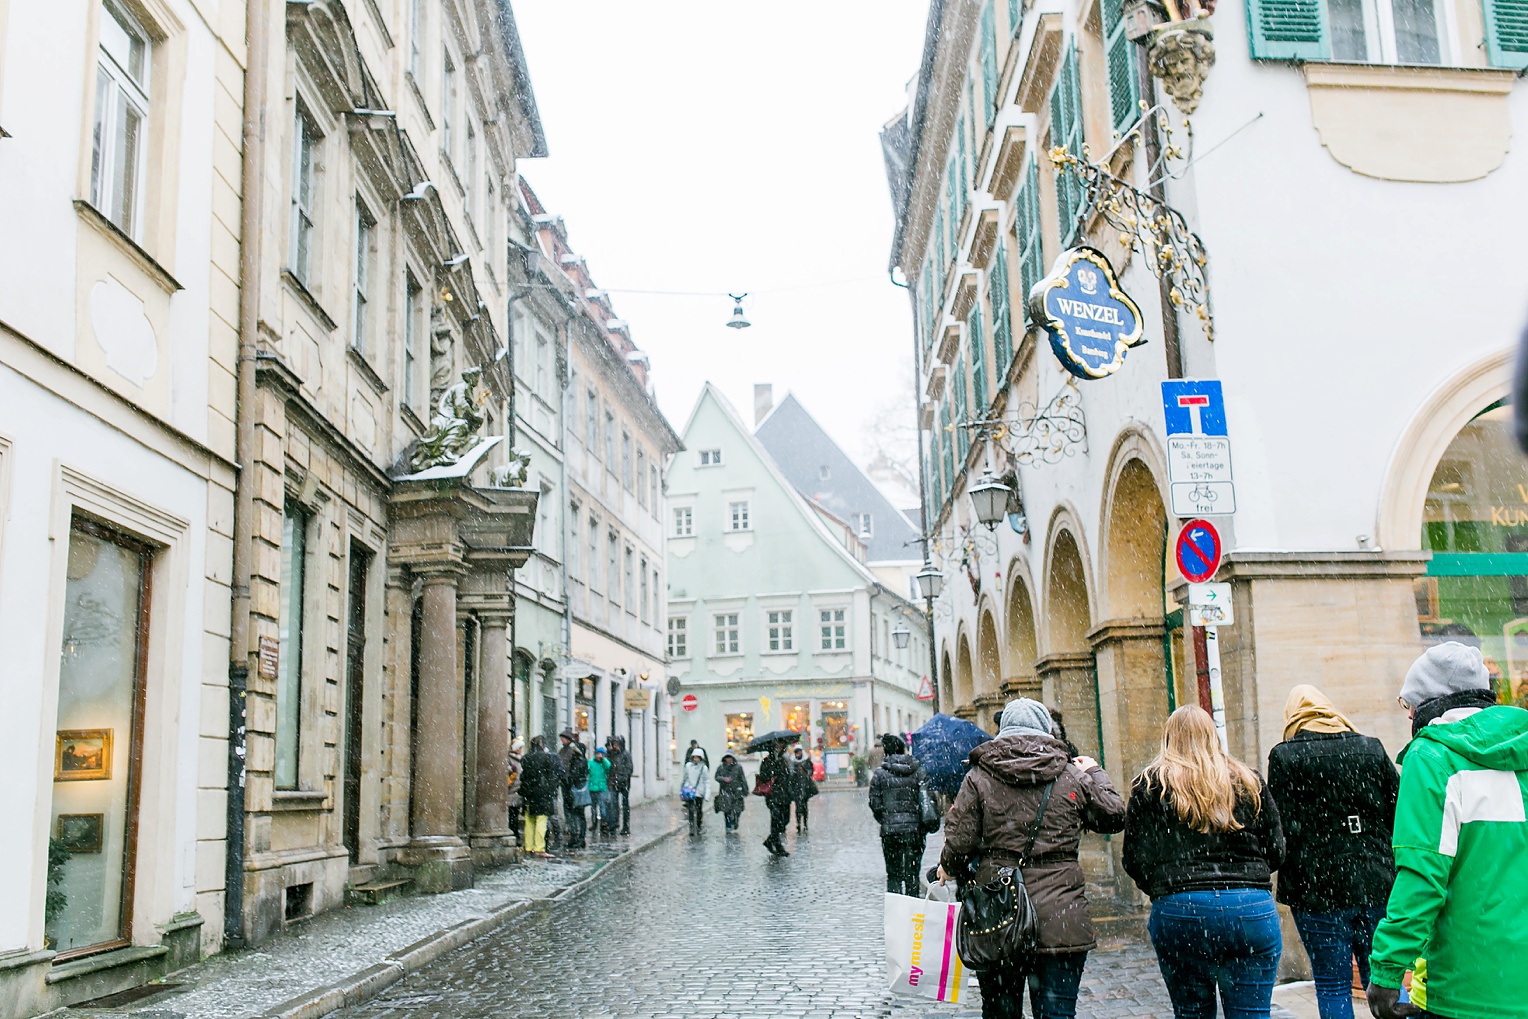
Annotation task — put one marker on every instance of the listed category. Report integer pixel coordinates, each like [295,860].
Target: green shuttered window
[1027,233]
[1288,29]
[1507,32]
[979,363]
[1066,130]
[989,64]
[958,392]
[1002,325]
[1124,85]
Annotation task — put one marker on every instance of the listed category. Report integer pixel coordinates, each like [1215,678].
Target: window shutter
[1289,30]
[1124,85]
[1002,324]
[958,386]
[1507,32]
[989,63]
[1014,14]
[1031,251]
[1066,130]
[978,363]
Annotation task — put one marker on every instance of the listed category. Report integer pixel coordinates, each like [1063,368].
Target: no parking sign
[1198,551]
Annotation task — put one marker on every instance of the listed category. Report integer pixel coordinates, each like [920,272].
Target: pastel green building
[775,620]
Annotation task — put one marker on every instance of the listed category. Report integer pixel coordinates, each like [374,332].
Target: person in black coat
[780,776]
[1202,839]
[622,768]
[732,790]
[806,785]
[575,775]
[898,791]
[540,779]
[1336,790]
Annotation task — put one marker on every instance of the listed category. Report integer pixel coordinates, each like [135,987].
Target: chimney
[763,401]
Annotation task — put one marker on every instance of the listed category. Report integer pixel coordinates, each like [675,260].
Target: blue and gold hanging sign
[1091,321]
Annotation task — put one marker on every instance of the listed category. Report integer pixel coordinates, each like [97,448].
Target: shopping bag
[920,948]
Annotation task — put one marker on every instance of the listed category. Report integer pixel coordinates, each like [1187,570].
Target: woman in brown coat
[987,828]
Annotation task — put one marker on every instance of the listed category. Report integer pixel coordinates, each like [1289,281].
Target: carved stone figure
[1180,54]
[440,354]
[513,473]
[455,426]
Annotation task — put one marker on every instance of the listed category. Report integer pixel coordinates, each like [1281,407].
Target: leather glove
[1385,1003]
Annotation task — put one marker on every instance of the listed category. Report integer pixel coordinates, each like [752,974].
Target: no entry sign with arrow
[1198,551]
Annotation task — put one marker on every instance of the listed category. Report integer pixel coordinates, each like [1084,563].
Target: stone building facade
[1375,491]
[119,156]
[381,510]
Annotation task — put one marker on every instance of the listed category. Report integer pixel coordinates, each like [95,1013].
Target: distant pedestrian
[621,770]
[877,756]
[692,790]
[1336,791]
[898,793]
[599,793]
[1024,782]
[540,781]
[1202,839]
[690,752]
[805,786]
[1456,911]
[575,787]
[731,792]
[779,777]
[512,801]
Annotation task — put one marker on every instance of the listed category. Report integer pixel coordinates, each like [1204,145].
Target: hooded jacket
[732,787]
[896,795]
[1461,889]
[540,778]
[989,822]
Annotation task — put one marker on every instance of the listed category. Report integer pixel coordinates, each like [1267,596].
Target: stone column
[492,841]
[436,850]
[1132,691]
[1066,680]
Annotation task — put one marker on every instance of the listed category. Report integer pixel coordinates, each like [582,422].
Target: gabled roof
[812,520]
[802,448]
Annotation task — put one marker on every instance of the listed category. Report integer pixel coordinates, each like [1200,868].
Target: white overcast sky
[719,145]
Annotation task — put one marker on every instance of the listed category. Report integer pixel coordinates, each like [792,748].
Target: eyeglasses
[1404,706]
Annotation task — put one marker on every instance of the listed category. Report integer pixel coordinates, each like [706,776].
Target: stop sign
[689,702]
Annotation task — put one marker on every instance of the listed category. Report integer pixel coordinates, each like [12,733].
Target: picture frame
[82,755]
[81,833]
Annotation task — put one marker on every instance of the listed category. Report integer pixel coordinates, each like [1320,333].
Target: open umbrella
[769,739]
[942,745]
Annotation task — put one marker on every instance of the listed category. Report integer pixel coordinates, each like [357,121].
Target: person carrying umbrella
[777,784]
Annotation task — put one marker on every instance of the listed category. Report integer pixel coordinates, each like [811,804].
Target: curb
[369,982]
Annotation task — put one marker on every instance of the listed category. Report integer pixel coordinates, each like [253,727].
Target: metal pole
[1217,692]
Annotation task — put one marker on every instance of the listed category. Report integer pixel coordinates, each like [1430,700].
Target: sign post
[1198,552]
[1199,476]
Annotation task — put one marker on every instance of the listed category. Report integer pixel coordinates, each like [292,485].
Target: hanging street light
[901,636]
[989,498]
[930,581]
[738,320]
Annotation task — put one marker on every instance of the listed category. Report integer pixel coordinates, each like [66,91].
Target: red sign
[925,691]
[1198,551]
[689,702]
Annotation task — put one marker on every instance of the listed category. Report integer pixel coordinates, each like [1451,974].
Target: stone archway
[964,684]
[987,695]
[1128,643]
[946,682]
[1067,669]
[1022,679]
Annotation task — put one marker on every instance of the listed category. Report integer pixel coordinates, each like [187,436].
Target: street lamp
[989,498]
[738,320]
[901,636]
[930,581]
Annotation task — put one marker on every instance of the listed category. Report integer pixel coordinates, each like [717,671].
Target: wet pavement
[710,926]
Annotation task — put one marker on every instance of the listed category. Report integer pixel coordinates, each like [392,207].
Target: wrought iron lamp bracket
[1038,435]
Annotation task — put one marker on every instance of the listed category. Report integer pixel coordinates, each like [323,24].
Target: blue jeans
[1052,988]
[1228,938]
[1333,940]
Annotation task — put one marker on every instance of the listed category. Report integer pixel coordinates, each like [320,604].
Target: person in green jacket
[599,792]
[1456,910]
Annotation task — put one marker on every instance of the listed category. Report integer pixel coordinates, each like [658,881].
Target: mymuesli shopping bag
[920,948]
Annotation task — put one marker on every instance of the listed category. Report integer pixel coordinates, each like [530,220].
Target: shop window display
[98,741]
[1475,522]
[835,725]
[739,730]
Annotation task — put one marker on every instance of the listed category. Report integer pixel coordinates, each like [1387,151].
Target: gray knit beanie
[1025,717]
[1443,669]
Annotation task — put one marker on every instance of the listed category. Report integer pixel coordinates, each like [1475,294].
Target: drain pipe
[240,651]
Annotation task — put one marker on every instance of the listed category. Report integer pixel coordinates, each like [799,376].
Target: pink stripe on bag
[944,966]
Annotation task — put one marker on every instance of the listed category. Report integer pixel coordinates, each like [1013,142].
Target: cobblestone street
[712,927]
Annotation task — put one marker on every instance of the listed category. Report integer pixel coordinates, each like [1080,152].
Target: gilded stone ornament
[1180,55]
[455,426]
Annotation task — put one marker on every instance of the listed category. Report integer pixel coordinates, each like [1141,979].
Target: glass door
[98,743]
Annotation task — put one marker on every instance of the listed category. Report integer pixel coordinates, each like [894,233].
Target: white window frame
[447,104]
[679,637]
[780,630]
[360,282]
[684,522]
[864,526]
[833,629]
[710,458]
[726,634]
[304,226]
[641,477]
[1380,37]
[416,51]
[644,586]
[120,91]
[413,295]
[739,512]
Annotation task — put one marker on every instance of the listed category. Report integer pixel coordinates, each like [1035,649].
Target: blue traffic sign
[1194,407]
[1091,321]
[1198,551]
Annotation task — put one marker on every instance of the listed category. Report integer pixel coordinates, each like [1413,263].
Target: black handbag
[929,816]
[998,925]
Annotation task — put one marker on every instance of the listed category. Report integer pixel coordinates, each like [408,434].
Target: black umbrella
[769,739]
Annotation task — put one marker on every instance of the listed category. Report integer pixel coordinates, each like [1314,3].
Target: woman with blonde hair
[1202,839]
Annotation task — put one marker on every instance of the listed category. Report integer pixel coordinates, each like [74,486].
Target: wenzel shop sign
[1091,321]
